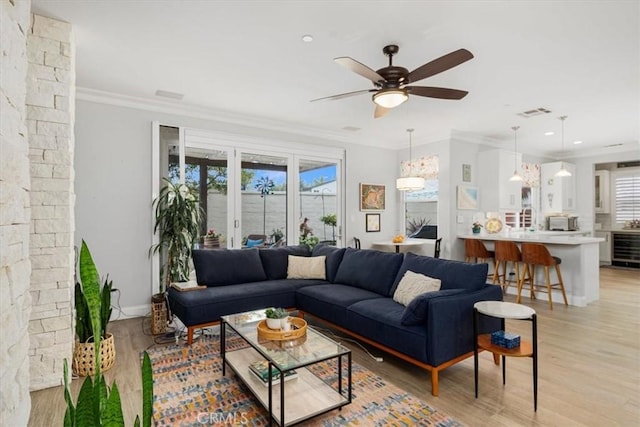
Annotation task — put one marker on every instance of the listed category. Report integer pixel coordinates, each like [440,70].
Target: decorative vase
[211,242]
[276,323]
[84,363]
[476,230]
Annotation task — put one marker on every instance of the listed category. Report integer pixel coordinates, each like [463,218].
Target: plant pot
[476,230]
[276,323]
[211,242]
[158,314]
[84,363]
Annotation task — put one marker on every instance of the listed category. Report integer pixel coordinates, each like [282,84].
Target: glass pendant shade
[563,172]
[410,183]
[516,176]
[390,98]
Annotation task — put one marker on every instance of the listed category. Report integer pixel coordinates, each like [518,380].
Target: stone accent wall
[15,267]
[50,118]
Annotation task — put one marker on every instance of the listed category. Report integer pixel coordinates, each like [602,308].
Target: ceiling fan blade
[359,68]
[343,95]
[439,65]
[380,112]
[437,92]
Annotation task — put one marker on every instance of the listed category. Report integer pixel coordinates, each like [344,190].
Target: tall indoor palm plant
[178,217]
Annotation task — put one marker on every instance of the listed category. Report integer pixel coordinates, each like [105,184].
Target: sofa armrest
[450,323]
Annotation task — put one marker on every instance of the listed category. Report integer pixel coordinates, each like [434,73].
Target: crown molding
[210,114]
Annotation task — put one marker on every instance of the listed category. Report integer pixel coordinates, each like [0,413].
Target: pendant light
[563,172]
[410,183]
[516,176]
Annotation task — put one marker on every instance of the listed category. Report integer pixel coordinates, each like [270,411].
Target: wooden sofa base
[433,369]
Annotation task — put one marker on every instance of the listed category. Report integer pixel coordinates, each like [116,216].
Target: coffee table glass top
[288,354]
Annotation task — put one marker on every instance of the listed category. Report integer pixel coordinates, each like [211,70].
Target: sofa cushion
[221,267]
[275,261]
[452,274]
[416,311]
[412,285]
[330,301]
[368,269]
[334,258]
[305,267]
[379,319]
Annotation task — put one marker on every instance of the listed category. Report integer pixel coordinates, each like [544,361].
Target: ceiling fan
[392,83]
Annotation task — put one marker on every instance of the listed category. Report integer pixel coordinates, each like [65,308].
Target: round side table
[506,310]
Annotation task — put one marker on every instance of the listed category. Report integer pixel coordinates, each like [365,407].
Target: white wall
[113,189]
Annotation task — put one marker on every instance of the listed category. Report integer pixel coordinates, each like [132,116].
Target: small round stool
[537,254]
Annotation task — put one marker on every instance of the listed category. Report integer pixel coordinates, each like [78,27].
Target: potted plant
[332,221]
[178,217]
[97,404]
[475,227]
[212,239]
[310,241]
[276,235]
[277,318]
[84,360]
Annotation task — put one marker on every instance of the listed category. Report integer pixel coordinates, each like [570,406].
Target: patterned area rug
[189,390]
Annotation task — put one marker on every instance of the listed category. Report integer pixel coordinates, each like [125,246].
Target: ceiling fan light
[410,183]
[390,98]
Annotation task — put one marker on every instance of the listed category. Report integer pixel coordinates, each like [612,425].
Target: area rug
[189,390]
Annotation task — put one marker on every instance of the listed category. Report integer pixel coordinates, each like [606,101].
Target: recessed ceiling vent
[168,94]
[351,128]
[535,112]
[612,145]
[633,164]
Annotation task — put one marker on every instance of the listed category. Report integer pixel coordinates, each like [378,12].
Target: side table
[506,310]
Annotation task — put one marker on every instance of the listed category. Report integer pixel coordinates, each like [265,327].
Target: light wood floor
[589,368]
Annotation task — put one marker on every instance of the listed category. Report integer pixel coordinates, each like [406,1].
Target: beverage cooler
[626,249]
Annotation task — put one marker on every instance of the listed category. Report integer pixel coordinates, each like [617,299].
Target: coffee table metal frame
[506,310]
[245,326]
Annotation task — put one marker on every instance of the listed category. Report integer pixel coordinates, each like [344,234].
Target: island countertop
[549,237]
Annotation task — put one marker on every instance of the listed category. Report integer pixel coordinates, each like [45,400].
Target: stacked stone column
[50,118]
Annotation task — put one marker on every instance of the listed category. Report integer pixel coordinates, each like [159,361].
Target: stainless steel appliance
[562,223]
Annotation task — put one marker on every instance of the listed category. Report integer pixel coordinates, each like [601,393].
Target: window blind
[627,188]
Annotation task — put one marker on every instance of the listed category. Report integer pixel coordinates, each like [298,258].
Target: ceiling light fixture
[563,172]
[550,133]
[410,183]
[577,142]
[307,38]
[390,98]
[516,176]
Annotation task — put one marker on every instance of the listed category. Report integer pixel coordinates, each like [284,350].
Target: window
[627,191]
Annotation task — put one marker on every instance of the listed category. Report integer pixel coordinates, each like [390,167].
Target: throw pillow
[412,285]
[304,267]
[252,243]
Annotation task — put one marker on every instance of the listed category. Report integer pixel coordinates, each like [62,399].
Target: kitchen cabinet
[605,247]
[601,191]
[497,193]
[558,193]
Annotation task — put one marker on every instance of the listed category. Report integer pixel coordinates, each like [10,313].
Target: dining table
[405,243]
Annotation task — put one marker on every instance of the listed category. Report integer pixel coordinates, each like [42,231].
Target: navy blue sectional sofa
[434,331]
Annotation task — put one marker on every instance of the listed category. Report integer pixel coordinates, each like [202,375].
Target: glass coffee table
[297,399]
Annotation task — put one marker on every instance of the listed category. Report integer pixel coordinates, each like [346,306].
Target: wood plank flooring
[589,368]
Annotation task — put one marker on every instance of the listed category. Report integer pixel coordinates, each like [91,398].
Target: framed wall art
[372,222]
[466,173]
[372,197]
[467,197]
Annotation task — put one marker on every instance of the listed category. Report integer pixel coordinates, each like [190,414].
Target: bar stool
[537,254]
[506,251]
[476,250]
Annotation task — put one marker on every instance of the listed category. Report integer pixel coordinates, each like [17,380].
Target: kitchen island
[580,260]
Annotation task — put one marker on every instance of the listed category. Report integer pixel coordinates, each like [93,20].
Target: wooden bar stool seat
[537,254]
[475,251]
[506,252]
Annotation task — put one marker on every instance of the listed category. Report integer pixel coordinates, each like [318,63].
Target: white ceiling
[575,58]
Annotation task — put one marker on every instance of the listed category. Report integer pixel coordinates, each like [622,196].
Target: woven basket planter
[211,242]
[158,317]
[84,363]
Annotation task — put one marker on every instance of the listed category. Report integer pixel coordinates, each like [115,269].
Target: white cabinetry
[558,193]
[605,247]
[602,199]
[497,193]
